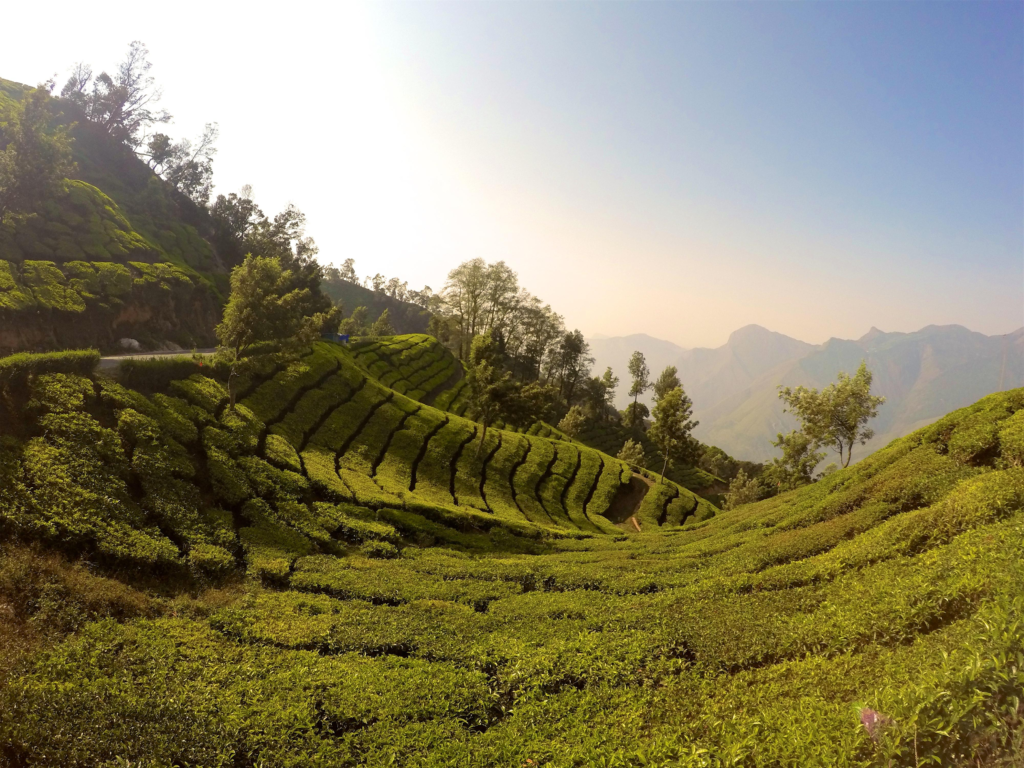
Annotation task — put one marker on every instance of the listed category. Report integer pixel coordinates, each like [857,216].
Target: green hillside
[116,255]
[405,316]
[335,574]
[423,369]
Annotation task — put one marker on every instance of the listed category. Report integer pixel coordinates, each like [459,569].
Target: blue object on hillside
[340,338]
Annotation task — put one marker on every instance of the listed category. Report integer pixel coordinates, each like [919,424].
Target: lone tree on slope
[672,427]
[641,376]
[837,416]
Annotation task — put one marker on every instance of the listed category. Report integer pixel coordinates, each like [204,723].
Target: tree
[348,271]
[672,427]
[488,388]
[527,402]
[382,325]
[635,414]
[186,166]
[742,490]
[241,228]
[641,376]
[572,362]
[717,462]
[667,381]
[796,466]
[837,416]
[610,382]
[598,394]
[572,422]
[122,104]
[264,307]
[632,452]
[354,324]
[35,154]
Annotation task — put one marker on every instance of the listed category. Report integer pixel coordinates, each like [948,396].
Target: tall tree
[186,166]
[573,363]
[241,228]
[641,376]
[667,381]
[465,292]
[382,325]
[122,104]
[265,307]
[488,386]
[672,427]
[837,416]
[35,154]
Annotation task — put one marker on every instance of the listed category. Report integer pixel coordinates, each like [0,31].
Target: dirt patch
[626,502]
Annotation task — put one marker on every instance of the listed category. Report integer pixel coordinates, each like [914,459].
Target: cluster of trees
[124,106]
[35,153]
[394,287]
[672,425]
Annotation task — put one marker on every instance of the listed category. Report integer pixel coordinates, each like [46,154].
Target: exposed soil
[627,500]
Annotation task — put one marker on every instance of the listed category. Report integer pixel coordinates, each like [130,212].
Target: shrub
[155,374]
[16,371]
[380,550]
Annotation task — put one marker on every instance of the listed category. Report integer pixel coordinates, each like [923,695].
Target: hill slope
[118,254]
[870,619]
[923,375]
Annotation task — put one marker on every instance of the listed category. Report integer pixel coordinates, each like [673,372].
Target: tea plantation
[339,573]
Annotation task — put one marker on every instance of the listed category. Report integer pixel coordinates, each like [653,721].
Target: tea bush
[400,608]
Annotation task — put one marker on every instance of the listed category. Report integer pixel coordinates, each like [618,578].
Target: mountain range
[923,375]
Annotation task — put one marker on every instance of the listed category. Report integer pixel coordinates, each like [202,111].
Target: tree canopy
[837,416]
[672,427]
[35,153]
[265,306]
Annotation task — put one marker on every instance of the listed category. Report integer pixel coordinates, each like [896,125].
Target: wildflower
[874,722]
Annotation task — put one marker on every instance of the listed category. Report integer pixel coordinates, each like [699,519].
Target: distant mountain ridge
[923,375]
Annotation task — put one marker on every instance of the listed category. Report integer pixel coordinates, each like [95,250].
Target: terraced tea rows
[872,619]
[415,365]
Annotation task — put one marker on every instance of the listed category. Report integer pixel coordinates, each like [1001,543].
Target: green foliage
[672,427]
[16,371]
[379,550]
[759,636]
[77,223]
[837,416]
[632,452]
[156,374]
[36,154]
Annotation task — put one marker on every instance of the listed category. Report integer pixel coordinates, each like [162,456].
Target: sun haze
[679,170]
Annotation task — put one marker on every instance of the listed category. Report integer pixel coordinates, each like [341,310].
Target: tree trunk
[231,380]
[483,436]
[664,466]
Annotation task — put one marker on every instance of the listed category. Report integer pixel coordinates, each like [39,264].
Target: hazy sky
[677,169]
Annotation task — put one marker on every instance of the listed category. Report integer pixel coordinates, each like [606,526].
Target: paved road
[111,361]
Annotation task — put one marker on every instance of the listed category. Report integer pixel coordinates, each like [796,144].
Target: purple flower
[874,722]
